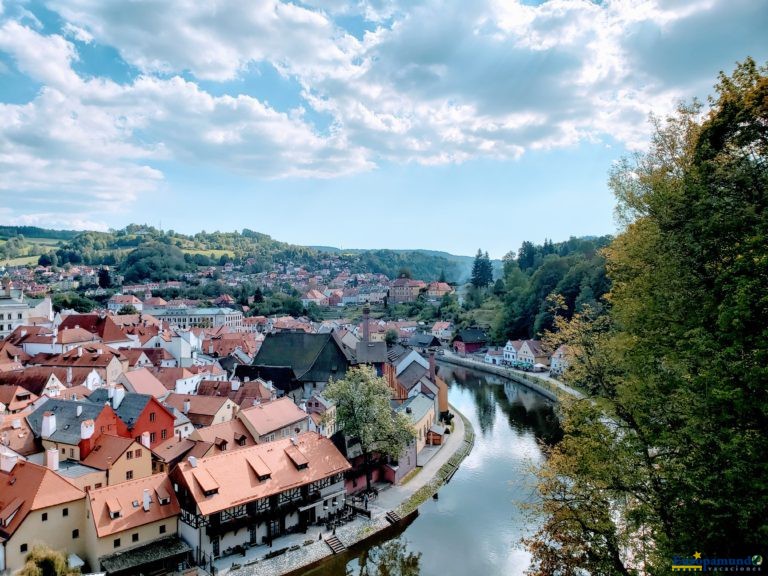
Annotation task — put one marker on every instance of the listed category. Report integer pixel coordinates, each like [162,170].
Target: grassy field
[22,261]
[215,253]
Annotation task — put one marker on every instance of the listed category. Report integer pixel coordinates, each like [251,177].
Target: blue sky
[440,124]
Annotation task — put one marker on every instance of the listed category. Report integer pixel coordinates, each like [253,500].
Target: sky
[438,124]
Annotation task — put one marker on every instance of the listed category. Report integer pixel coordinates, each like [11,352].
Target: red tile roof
[234,476]
[127,500]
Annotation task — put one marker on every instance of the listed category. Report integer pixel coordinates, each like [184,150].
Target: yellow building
[132,528]
[37,507]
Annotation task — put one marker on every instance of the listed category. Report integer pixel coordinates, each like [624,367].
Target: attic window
[135,503]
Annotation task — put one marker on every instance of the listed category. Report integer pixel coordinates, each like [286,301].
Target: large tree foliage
[669,454]
[364,413]
[42,561]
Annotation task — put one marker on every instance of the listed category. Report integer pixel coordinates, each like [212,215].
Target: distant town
[171,435]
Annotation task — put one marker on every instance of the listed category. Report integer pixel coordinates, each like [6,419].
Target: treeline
[392,263]
[534,275]
[35,232]
[253,250]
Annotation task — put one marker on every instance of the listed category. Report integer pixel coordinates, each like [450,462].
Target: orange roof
[144,382]
[30,487]
[74,336]
[15,430]
[16,398]
[265,418]
[107,450]
[205,405]
[173,448]
[233,433]
[92,354]
[127,498]
[232,478]
[168,376]
[102,326]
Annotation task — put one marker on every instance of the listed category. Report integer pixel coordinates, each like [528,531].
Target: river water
[475,525]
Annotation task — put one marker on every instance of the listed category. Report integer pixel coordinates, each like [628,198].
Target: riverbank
[544,385]
[305,551]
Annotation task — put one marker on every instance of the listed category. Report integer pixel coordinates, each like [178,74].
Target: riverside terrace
[269,489]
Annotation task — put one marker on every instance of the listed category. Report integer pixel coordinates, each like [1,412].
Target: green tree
[482,270]
[391,337]
[669,457]
[127,309]
[364,413]
[258,296]
[42,561]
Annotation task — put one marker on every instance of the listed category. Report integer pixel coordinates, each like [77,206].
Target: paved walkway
[305,549]
[452,358]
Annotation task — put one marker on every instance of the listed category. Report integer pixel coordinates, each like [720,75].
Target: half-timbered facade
[251,496]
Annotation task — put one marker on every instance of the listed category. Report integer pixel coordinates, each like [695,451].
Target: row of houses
[149,465]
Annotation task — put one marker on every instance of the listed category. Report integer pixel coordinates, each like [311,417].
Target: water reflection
[392,558]
[476,525]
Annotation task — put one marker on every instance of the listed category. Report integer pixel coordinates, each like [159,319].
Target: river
[475,525]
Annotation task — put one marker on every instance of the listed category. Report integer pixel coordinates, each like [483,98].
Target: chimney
[145,439]
[49,425]
[147,500]
[192,461]
[87,428]
[187,404]
[235,385]
[69,376]
[179,435]
[79,351]
[111,391]
[52,459]
[79,410]
[7,460]
[366,320]
[432,370]
[23,333]
[119,397]
[16,423]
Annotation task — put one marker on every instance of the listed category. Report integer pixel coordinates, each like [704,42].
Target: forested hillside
[145,253]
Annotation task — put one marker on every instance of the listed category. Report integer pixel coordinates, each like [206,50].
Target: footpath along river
[475,525]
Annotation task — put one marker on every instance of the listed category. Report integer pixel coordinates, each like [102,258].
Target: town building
[132,528]
[274,420]
[37,506]
[185,318]
[250,496]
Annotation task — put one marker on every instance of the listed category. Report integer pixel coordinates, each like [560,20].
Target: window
[164,434]
[129,475]
[75,534]
[71,452]
[23,548]
[98,485]
[129,455]
[135,537]
[162,528]
[63,451]
[138,453]
[65,512]
[116,543]
[18,316]
[151,416]
[45,516]
[152,437]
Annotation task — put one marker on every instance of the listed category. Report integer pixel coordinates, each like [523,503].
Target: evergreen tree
[105,280]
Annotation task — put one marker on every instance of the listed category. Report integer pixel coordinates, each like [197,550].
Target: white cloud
[433,82]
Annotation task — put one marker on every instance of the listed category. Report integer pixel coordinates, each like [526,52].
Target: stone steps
[335,545]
